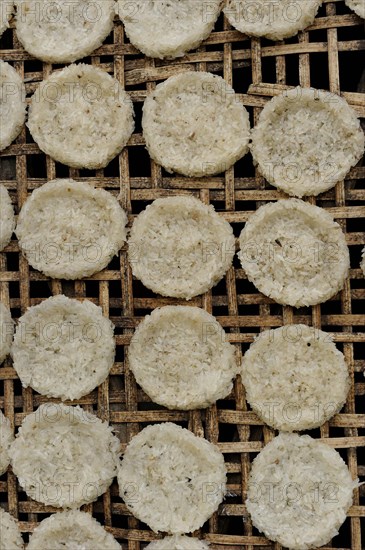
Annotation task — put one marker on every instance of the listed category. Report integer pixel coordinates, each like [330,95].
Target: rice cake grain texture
[274,20]
[358,6]
[306,140]
[194,124]
[295,377]
[168,28]
[6,13]
[6,438]
[294,252]
[73,457]
[81,116]
[69,229]
[61,32]
[6,331]
[181,358]
[71,530]
[180,247]
[7,219]
[12,104]
[166,475]
[10,538]
[178,542]
[63,347]
[299,491]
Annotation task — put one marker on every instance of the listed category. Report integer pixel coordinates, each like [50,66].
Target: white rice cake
[274,20]
[6,331]
[71,530]
[61,32]
[72,458]
[180,247]
[7,219]
[171,479]
[6,439]
[81,116]
[178,542]
[306,140]
[12,104]
[294,252]
[63,347]
[194,124]
[295,377]
[168,28]
[358,6]
[6,13]
[10,537]
[362,263]
[299,491]
[69,229]
[180,357]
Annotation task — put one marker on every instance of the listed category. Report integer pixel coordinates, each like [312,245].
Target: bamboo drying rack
[328,55]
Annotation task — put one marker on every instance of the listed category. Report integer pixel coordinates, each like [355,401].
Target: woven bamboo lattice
[328,55]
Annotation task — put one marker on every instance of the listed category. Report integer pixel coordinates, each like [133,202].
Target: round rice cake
[81,116]
[168,28]
[7,219]
[306,141]
[274,20]
[71,530]
[358,6]
[63,348]
[294,252]
[6,331]
[61,32]
[6,13]
[6,439]
[299,491]
[194,124]
[171,479]
[180,357]
[11,538]
[12,104]
[295,378]
[70,230]
[73,457]
[180,247]
[178,542]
